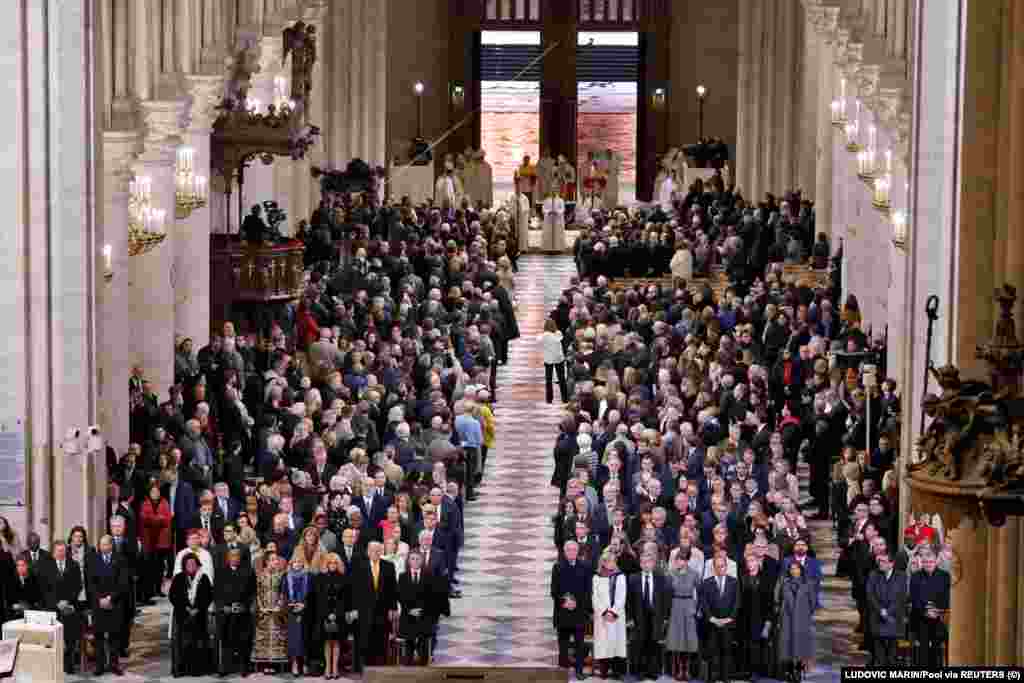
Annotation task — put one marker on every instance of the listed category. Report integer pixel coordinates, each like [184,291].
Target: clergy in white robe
[523,222]
[613,166]
[668,191]
[485,179]
[471,180]
[448,189]
[609,615]
[554,223]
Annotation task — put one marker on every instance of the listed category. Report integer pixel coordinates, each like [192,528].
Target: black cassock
[233,593]
[190,635]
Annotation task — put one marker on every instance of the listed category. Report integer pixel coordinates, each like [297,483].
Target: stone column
[306,192]
[379,53]
[120,149]
[143,47]
[826,93]
[358,106]
[191,274]
[149,282]
[757,93]
[783,149]
[967,644]
[807,126]
[742,156]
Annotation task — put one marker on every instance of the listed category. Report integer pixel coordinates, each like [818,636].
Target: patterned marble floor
[504,617]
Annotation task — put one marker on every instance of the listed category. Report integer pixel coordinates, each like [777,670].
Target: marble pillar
[806,125]
[150,278]
[785,98]
[825,134]
[740,161]
[120,149]
[967,643]
[757,94]
[768,103]
[192,234]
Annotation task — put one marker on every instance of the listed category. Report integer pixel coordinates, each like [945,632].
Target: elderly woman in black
[333,597]
[191,595]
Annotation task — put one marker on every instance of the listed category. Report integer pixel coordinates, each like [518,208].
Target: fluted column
[967,643]
[306,193]
[184,36]
[120,149]
[783,156]
[757,94]
[191,272]
[826,93]
[742,156]
[151,293]
[807,126]
[358,106]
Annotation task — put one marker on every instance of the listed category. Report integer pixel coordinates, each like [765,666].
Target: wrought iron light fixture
[190,190]
[145,223]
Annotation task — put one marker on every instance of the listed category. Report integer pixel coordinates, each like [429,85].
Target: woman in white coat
[609,603]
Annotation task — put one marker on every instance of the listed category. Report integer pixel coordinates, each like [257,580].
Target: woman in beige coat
[682,264]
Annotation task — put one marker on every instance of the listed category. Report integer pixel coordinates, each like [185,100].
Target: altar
[416,182]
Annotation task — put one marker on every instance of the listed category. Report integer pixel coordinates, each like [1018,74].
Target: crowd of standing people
[299,493]
[682,529]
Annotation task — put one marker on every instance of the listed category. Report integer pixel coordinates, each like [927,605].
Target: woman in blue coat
[296,587]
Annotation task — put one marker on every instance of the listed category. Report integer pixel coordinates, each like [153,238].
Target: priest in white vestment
[613,166]
[484,179]
[523,222]
[554,223]
[448,188]
[470,177]
[668,190]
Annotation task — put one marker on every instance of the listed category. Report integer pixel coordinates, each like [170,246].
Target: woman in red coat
[306,326]
[157,541]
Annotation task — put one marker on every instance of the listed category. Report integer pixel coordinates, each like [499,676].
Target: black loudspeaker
[421,153]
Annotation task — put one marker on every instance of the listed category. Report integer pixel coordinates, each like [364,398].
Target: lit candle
[842,87]
[108,257]
[882,190]
[888,161]
[201,186]
[899,226]
[835,110]
[871,139]
[870,160]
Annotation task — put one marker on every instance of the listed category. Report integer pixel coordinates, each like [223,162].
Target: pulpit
[969,468]
[254,284]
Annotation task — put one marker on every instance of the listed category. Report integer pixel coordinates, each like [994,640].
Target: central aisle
[504,618]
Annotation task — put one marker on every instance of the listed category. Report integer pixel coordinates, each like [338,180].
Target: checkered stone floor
[504,616]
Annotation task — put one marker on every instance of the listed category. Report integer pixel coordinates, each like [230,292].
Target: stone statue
[300,42]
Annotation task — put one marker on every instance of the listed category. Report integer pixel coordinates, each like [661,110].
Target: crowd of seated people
[682,532]
[303,488]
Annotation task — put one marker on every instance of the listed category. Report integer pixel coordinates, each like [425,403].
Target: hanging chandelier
[190,190]
[145,223]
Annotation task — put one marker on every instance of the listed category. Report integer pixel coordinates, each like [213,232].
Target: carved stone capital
[830,23]
[315,10]
[271,52]
[207,92]
[867,80]
[164,121]
[120,150]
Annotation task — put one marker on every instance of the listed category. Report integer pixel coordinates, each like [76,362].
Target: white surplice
[554,224]
[609,639]
[448,188]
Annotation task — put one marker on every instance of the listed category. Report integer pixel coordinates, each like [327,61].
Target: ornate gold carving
[300,43]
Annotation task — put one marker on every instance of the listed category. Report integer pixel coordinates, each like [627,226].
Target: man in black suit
[719,601]
[450,525]
[210,518]
[374,502]
[350,552]
[420,595]
[128,554]
[435,560]
[233,592]
[24,592]
[571,586]
[41,567]
[226,507]
[220,552]
[648,599]
[320,472]
[121,507]
[375,598]
[929,601]
[107,594]
[62,601]
[887,604]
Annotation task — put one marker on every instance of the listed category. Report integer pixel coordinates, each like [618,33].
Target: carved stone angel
[300,42]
